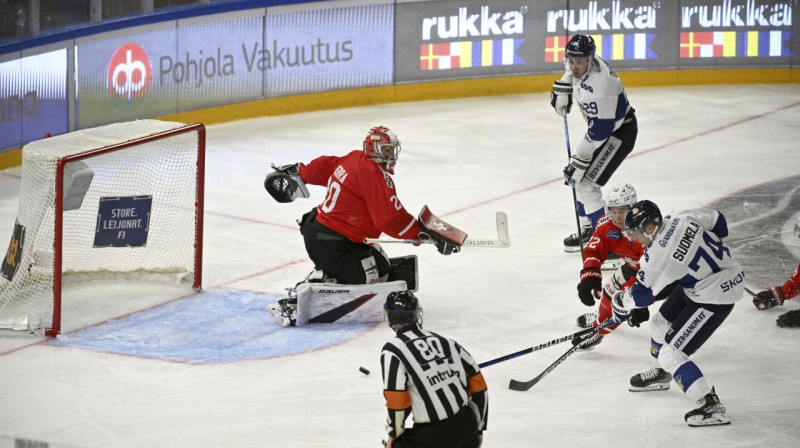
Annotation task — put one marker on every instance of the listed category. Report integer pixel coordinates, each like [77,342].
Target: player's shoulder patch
[614,234]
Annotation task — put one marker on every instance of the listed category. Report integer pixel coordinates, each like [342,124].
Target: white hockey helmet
[619,195]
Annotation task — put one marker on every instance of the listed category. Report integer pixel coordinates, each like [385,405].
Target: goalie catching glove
[284,184]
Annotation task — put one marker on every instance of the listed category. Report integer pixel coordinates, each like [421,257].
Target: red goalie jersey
[361,201]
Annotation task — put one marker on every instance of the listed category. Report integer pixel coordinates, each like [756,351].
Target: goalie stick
[522,386]
[503,239]
[569,337]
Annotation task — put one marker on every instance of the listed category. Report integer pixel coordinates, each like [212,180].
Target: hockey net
[104,214]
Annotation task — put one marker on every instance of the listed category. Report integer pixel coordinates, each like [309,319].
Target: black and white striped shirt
[431,377]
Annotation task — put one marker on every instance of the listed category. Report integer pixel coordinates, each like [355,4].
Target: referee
[433,378]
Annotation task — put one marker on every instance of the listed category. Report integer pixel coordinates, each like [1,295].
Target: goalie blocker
[448,239]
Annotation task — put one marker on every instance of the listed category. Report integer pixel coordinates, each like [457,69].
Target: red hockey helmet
[382,146]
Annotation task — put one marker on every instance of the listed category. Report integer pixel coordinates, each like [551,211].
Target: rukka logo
[129,75]
[733,13]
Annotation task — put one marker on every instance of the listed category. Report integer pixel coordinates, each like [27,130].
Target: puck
[363,370]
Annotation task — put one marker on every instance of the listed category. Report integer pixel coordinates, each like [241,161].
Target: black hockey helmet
[402,307]
[581,46]
[642,213]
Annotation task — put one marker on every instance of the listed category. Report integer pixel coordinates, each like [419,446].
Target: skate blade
[572,249]
[714,420]
[651,388]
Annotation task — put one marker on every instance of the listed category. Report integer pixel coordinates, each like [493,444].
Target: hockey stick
[572,184]
[503,238]
[526,385]
[749,291]
[573,336]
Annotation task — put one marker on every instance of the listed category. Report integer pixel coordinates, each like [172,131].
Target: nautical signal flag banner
[483,53]
[612,47]
[735,44]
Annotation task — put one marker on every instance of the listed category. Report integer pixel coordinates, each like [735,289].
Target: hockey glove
[590,286]
[444,247]
[768,299]
[789,320]
[561,97]
[621,314]
[575,170]
[639,315]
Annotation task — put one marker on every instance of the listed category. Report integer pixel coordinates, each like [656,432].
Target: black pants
[608,157]
[691,321]
[337,256]
[458,431]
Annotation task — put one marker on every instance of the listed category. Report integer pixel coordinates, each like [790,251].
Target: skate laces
[650,374]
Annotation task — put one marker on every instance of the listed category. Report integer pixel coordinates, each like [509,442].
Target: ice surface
[228,377]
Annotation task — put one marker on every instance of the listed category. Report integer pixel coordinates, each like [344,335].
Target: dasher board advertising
[327,49]
[168,70]
[468,39]
[737,33]
[33,98]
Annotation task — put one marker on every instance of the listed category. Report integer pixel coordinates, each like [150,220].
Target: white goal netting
[131,205]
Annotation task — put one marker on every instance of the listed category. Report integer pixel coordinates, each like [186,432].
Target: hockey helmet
[383,147]
[620,196]
[641,214]
[402,307]
[580,46]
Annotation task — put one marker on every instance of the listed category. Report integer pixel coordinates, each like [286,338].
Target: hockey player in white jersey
[611,133]
[684,247]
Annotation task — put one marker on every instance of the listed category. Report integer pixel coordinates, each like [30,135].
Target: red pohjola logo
[129,74]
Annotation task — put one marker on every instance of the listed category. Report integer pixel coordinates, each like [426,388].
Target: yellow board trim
[442,90]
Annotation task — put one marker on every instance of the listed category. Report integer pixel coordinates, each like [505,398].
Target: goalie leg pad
[328,303]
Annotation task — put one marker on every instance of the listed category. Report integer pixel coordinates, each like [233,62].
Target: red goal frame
[200,129]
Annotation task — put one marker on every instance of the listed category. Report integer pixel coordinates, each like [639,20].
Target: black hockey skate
[590,343]
[572,243]
[586,320]
[710,413]
[654,379]
[285,311]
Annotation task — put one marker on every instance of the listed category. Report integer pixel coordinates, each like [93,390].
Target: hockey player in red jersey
[778,294]
[361,202]
[607,238]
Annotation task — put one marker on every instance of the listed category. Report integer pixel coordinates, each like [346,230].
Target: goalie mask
[402,307]
[619,201]
[382,146]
